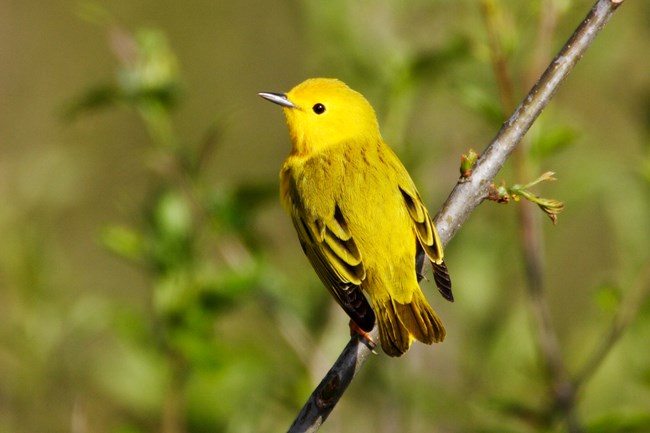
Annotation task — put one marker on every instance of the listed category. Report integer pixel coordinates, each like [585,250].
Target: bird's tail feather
[400,324]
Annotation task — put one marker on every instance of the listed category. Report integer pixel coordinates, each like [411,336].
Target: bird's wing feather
[424,229]
[428,239]
[334,255]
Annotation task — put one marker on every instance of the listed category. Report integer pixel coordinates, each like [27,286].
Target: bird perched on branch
[358,215]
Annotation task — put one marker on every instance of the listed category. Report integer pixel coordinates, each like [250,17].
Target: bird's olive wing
[336,259]
[428,242]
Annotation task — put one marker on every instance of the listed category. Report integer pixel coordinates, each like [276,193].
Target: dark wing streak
[442,279]
[429,243]
[419,262]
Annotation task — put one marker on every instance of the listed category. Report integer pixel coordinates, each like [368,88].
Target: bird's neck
[306,145]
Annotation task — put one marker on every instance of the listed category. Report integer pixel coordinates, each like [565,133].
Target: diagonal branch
[465,197]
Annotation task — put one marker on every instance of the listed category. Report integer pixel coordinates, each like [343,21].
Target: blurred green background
[149,280]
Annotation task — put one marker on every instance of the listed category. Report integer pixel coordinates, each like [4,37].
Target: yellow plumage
[358,215]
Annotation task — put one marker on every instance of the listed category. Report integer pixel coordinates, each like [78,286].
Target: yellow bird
[359,217]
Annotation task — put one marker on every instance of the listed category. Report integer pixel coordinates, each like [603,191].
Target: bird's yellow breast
[361,180]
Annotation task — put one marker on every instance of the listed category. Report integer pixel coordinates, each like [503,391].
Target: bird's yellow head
[322,112]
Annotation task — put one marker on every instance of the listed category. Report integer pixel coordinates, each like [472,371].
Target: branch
[468,193]
[329,391]
[627,312]
[561,388]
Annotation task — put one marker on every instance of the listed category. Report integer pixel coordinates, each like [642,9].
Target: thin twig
[545,32]
[465,197]
[561,388]
[627,312]
[498,57]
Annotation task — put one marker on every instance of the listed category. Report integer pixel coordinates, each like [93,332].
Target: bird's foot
[365,337]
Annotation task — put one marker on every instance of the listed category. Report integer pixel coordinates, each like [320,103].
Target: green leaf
[172,294]
[227,288]
[150,69]
[93,99]
[123,241]
[608,297]
[173,215]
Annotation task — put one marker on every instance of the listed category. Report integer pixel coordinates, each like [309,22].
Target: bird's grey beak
[278,98]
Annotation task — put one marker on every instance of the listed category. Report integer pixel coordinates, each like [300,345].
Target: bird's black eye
[318,108]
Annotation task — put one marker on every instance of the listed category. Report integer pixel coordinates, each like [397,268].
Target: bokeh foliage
[149,281]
